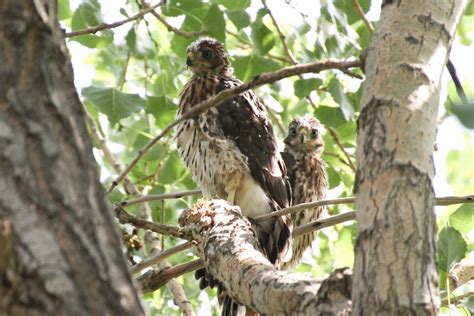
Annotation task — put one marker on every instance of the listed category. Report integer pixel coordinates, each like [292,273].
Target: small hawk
[231,150]
[307,172]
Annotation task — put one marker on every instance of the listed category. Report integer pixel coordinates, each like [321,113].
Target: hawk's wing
[290,163]
[244,120]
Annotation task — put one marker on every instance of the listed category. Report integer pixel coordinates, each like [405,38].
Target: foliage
[140,69]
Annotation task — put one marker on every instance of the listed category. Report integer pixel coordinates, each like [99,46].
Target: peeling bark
[232,255]
[395,267]
[60,251]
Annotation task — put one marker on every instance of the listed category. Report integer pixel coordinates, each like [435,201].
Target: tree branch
[172,28]
[163,229]
[106,26]
[362,16]
[232,255]
[159,197]
[339,144]
[264,78]
[148,262]
[155,279]
[457,82]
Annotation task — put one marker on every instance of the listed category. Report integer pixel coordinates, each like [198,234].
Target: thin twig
[280,34]
[457,82]
[339,144]
[159,197]
[148,262]
[440,201]
[106,26]
[362,16]
[153,280]
[322,223]
[455,298]
[163,229]
[264,78]
[175,30]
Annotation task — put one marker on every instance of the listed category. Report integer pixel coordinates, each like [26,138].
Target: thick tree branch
[106,26]
[461,273]
[264,78]
[233,256]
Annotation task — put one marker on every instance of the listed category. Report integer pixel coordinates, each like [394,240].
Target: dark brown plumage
[231,150]
[307,171]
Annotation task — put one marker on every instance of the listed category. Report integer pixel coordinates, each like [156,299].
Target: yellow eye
[293,131]
[314,133]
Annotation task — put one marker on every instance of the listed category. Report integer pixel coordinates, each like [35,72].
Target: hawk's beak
[302,135]
[189,59]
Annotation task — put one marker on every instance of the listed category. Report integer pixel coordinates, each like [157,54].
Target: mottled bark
[395,267]
[60,250]
[232,255]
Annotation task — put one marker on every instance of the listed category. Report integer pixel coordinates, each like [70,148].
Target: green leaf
[193,21]
[64,10]
[465,114]
[348,8]
[240,18]
[171,169]
[131,39]
[113,103]
[333,177]
[88,15]
[344,252]
[463,218]
[263,39]
[235,4]
[247,67]
[162,108]
[451,247]
[303,87]
[337,92]
[179,7]
[328,115]
[215,23]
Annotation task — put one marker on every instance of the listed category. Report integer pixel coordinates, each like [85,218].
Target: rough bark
[396,267]
[61,253]
[232,255]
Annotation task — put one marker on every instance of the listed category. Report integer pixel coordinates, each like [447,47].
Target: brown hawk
[231,150]
[307,172]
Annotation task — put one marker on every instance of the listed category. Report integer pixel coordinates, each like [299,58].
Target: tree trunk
[396,269]
[60,249]
[232,255]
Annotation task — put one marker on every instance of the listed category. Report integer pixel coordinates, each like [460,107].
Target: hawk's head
[305,136]
[208,56]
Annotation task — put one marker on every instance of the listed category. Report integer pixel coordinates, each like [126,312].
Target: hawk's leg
[231,197]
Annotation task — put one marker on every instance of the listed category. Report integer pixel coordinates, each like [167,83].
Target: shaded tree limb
[440,201]
[461,273]
[169,230]
[264,78]
[159,257]
[454,299]
[159,197]
[154,279]
[232,255]
[106,26]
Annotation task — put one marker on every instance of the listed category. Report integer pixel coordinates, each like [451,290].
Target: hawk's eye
[314,133]
[206,54]
[293,131]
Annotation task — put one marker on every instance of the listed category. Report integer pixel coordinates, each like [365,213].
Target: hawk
[231,150]
[307,172]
